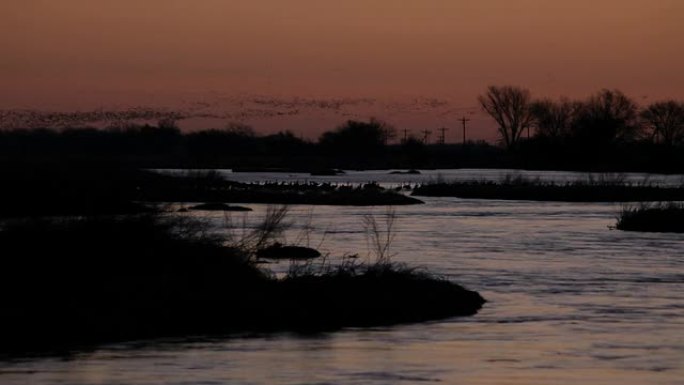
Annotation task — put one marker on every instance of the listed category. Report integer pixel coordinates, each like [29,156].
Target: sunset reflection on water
[570,302]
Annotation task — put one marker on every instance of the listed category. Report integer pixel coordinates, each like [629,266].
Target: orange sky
[418,63]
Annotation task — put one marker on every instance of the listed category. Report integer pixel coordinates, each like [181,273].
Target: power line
[442,135]
[426,135]
[464,120]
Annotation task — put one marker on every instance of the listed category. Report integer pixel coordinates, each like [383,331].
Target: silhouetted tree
[213,145]
[239,130]
[285,143]
[554,119]
[510,108]
[168,124]
[665,119]
[357,138]
[414,152]
[606,117]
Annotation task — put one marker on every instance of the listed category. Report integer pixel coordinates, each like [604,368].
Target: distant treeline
[606,132]
[354,145]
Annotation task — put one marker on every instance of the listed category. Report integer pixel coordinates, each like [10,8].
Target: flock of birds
[229,108]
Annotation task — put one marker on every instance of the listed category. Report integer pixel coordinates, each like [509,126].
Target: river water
[570,301]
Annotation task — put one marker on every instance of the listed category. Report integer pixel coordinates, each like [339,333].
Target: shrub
[663,217]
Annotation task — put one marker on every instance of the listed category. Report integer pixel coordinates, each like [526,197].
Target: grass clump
[365,294]
[354,293]
[662,218]
[519,188]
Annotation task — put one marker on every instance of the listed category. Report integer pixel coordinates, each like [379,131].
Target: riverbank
[86,281]
[74,188]
[538,190]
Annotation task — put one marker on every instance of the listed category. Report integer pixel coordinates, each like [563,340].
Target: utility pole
[426,135]
[464,120]
[405,135]
[442,135]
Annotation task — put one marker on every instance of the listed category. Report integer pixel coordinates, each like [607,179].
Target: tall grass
[380,239]
[251,239]
[602,188]
[652,217]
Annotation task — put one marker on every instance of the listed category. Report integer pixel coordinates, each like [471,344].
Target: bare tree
[510,108]
[665,120]
[554,119]
[607,116]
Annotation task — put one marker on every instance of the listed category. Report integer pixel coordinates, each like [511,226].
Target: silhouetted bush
[357,141]
[376,294]
[663,218]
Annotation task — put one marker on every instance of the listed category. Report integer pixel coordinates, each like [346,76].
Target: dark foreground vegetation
[536,190]
[82,281]
[661,218]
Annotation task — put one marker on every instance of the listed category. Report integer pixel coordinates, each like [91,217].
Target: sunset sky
[308,65]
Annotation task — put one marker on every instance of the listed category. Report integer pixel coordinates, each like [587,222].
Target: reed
[658,217]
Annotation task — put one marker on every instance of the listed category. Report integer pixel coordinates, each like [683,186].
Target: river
[570,301]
